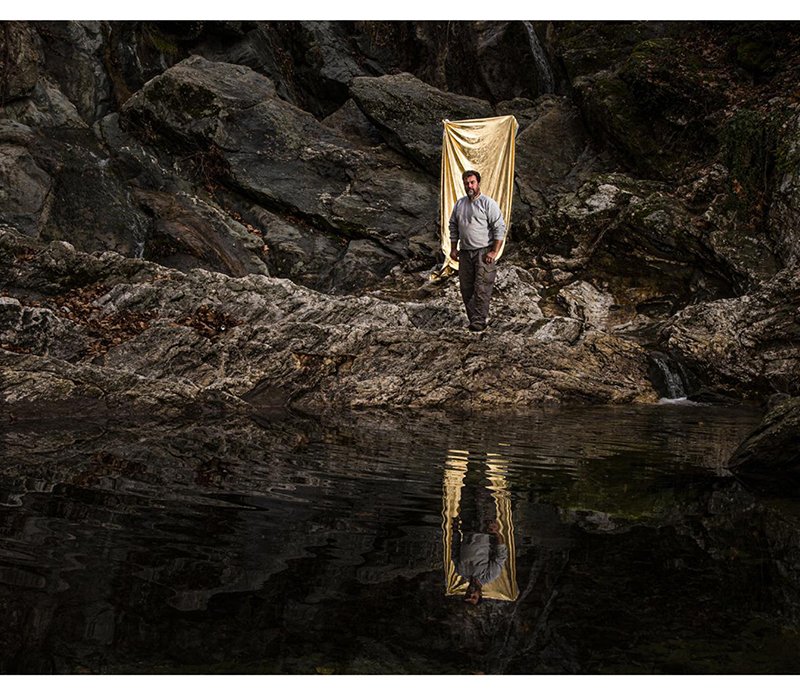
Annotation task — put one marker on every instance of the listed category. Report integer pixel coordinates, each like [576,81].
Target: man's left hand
[490,256]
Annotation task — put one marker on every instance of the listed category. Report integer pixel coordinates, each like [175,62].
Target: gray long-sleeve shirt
[477,557]
[476,223]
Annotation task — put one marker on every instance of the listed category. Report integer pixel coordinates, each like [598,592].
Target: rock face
[655,190]
[24,196]
[73,56]
[262,146]
[19,62]
[784,214]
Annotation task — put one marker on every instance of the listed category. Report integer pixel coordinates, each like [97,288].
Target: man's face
[472,186]
[473,597]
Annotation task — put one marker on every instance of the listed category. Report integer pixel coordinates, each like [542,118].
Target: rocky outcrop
[744,345]
[635,238]
[657,105]
[270,342]
[553,151]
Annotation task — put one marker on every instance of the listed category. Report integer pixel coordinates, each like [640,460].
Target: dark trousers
[476,279]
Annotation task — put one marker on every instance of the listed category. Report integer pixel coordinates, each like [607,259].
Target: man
[477,230]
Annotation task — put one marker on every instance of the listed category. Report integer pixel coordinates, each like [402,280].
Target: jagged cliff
[196,213]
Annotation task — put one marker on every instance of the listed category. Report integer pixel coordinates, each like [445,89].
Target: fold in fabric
[485,145]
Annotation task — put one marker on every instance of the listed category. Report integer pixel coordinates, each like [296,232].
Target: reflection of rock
[254,543]
[248,545]
[770,456]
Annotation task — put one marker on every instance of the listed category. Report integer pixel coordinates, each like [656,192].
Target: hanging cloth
[485,145]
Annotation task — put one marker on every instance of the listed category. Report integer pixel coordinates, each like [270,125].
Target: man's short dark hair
[467,173]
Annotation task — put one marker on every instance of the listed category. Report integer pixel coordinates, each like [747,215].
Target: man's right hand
[454,253]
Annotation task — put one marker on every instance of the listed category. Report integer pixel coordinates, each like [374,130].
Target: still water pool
[615,542]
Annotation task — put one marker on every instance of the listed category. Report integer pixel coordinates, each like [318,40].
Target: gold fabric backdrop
[485,145]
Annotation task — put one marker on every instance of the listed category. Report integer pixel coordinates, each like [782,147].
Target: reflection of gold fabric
[505,586]
[485,145]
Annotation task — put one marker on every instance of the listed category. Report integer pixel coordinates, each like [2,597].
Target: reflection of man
[478,229]
[479,557]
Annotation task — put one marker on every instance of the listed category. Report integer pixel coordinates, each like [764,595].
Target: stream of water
[295,544]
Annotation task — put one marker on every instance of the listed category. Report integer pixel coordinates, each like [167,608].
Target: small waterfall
[138,247]
[667,377]
[547,83]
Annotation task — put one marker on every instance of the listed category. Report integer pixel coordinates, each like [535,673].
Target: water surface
[297,544]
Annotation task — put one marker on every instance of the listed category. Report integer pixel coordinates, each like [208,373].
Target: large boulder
[409,113]
[186,102]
